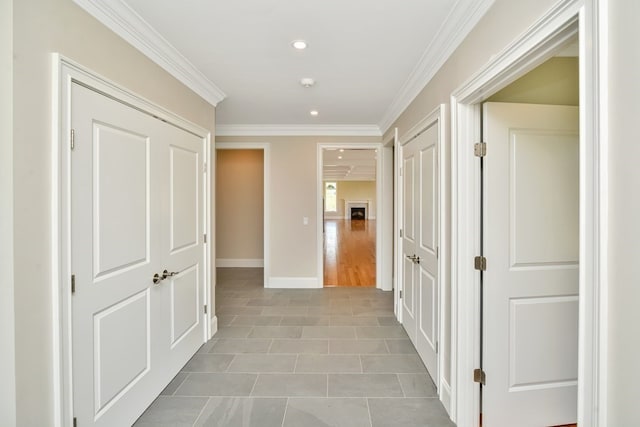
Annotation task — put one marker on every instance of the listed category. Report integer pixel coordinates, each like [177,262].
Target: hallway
[300,357]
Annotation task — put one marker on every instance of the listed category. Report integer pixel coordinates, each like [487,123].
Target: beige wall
[40,28]
[239,204]
[624,212]
[555,82]
[7,315]
[355,190]
[294,195]
[502,24]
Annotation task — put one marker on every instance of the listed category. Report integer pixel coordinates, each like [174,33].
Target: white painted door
[420,245]
[123,347]
[530,240]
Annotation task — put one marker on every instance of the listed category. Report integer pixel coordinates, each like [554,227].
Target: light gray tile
[365,332]
[267,302]
[395,363]
[256,320]
[372,311]
[263,363]
[276,332]
[217,385]
[408,412]
[328,363]
[175,383]
[342,332]
[353,321]
[300,346]
[208,363]
[206,347]
[387,321]
[417,385]
[172,411]
[325,310]
[242,412]
[364,385]
[239,311]
[233,332]
[401,346]
[357,347]
[305,320]
[239,346]
[225,319]
[314,385]
[285,311]
[327,412]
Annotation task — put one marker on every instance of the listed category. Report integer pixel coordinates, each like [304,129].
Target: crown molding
[298,130]
[125,22]
[459,23]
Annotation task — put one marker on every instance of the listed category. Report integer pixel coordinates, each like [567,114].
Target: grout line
[201,412]
[284,416]
[366,399]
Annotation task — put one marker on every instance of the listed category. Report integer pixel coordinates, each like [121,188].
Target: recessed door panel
[121,348]
[121,199]
[544,198]
[428,193]
[185,304]
[409,202]
[428,307]
[184,178]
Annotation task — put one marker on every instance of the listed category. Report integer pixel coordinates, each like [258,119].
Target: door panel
[530,317]
[420,263]
[123,187]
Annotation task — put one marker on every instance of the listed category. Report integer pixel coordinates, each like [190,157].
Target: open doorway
[349,217]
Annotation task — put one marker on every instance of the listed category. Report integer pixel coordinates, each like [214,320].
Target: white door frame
[562,22]
[380,284]
[65,73]
[266,170]
[437,116]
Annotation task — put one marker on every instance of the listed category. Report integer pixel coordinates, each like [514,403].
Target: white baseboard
[333,217]
[445,396]
[240,263]
[294,283]
[213,325]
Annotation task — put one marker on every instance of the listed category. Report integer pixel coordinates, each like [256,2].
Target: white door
[530,240]
[122,343]
[420,245]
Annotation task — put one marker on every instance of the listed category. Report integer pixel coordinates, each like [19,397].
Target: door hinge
[73,139]
[205,238]
[438,252]
[205,309]
[437,347]
[401,232]
[480,149]
[75,422]
[204,167]
[479,376]
[400,294]
[480,263]
[73,284]
[400,171]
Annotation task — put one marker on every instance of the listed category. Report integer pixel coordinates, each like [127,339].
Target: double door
[137,256]
[420,290]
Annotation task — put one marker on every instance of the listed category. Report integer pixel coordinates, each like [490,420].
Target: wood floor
[349,252]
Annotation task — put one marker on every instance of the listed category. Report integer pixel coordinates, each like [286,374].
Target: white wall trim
[458,24]
[379,201]
[64,73]
[125,22]
[239,263]
[266,149]
[294,283]
[7,285]
[562,21]
[298,130]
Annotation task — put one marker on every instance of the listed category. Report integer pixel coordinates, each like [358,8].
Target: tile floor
[300,358]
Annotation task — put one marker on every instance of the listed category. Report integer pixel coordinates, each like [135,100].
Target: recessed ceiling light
[299,44]
[307,82]
[314,113]
[342,150]
[339,157]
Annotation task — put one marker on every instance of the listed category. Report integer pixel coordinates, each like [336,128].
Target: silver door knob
[157,278]
[167,273]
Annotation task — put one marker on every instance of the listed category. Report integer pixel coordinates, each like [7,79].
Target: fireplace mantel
[348,204]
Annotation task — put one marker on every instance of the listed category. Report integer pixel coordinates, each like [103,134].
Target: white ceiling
[370,58]
[349,165]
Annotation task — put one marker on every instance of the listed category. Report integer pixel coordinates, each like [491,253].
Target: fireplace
[358,213]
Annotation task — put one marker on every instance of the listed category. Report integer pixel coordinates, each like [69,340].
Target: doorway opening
[243,206]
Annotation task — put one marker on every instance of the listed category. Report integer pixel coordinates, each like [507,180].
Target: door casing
[566,19]
[66,72]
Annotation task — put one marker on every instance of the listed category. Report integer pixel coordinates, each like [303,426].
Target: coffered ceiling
[368,58]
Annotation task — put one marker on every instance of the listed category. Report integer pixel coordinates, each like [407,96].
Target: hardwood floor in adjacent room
[349,252]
